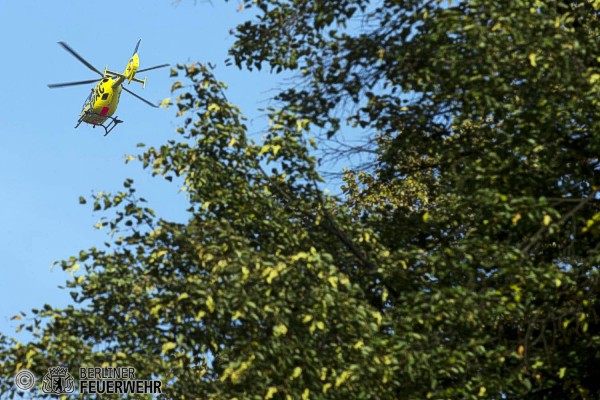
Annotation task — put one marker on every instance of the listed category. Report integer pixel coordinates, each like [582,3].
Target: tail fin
[133,64]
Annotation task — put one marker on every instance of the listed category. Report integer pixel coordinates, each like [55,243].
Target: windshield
[87,100]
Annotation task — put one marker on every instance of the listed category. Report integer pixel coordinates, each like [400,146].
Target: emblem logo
[58,381]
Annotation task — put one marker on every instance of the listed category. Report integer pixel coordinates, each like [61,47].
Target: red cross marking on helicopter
[104,111]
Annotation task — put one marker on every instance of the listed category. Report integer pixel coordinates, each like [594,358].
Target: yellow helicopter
[102,102]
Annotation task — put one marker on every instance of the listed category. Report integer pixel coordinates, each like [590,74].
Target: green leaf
[183,296]
[561,372]
[167,346]
[210,304]
[271,392]
[297,372]
[280,330]
[532,59]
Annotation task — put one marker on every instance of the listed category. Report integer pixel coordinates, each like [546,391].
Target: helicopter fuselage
[102,102]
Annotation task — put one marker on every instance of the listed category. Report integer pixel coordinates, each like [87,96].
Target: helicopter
[101,103]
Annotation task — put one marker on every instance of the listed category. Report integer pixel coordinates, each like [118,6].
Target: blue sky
[46,164]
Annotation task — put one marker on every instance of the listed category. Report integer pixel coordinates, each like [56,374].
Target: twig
[526,246]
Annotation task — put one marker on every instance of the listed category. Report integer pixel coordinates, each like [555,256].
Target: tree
[462,263]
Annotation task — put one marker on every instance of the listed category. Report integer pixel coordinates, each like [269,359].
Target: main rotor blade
[151,68]
[77,56]
[139,97]
[59,85]
[136,47]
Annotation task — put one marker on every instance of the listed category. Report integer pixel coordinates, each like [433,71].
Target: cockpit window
[87,100]
[105,96]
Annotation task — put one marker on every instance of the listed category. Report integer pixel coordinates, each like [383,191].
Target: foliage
[463,264]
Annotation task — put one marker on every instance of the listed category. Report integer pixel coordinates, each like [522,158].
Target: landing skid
[107,128]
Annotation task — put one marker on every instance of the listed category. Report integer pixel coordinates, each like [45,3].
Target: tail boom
[122,77]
